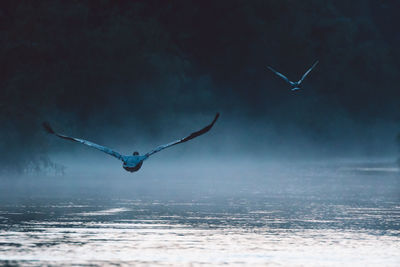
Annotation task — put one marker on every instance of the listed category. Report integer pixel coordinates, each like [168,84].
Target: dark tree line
[95,60]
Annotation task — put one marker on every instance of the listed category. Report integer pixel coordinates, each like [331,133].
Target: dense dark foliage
[95,60]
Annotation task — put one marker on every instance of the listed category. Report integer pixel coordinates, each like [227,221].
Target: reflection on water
[257,227]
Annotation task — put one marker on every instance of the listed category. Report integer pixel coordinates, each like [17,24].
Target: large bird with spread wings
[295,85]
[132,163]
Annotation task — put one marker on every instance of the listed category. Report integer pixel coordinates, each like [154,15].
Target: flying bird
[295,85]
[132,163]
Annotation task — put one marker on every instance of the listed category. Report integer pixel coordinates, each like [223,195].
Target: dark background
[135,74]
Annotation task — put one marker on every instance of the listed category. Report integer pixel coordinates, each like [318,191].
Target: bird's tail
[48,128]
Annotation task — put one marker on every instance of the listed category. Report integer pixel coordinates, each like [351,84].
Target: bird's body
[132,163]
[295,85]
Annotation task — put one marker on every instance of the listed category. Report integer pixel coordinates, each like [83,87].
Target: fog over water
[305,178]
[253,213]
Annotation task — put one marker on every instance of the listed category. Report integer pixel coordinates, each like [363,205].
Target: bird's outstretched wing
[280,75]
[107,150]
[187,138]
[308,71]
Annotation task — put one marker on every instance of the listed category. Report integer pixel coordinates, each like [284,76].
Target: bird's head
[136,153]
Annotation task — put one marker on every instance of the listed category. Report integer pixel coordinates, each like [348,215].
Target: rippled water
[347,217]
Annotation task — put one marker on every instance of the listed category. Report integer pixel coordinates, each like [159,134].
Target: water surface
[312,216]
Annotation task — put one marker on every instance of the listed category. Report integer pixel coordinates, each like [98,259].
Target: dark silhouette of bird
[132,162]
[295,85]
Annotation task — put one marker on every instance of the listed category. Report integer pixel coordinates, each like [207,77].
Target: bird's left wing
[308,71]
[107,150]
[279,74]
[187,138]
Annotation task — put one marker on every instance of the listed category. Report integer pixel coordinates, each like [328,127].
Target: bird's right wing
[279,74]
[308,71]
[107,150]
[185,139]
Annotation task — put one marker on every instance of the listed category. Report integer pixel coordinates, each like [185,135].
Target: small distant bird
[131,163]
[295,85]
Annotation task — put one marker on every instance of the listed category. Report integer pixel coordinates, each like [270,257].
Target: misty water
[305,214]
